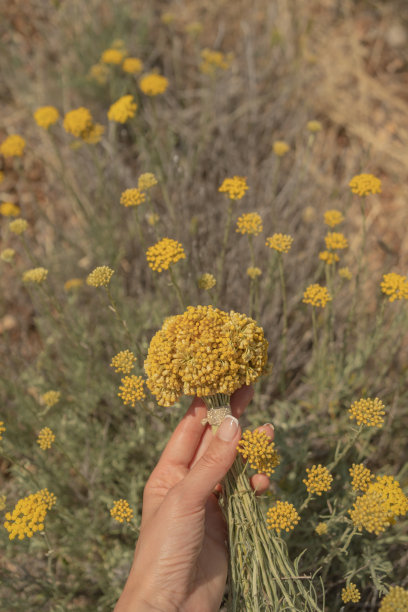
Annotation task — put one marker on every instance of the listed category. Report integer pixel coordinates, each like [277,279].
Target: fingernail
[228,428]
[270,425]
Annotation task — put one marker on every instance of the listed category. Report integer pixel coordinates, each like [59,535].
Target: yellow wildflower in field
[365,184]
[281,243]
[333,217]
[29,514]
[8,209]
[99,73]
[164,253]
[73,283]
[391,490]
[123,362]
[153,84]
[361,477]
[282,515]
[258,449]
[123,109]
[18,226]
[206,281]
[167,18]
[321,529]
[350,593]
[131,390]
[146,181]
[153,219]
[35,275]
[234,187]
[13,146]
[395,286]
[45,116]
[194,28]
[3,500]
[118,43]
[45,438]
[7,255]
[280,148]
[396,600]
[2,429]
[249,223]
[50,398]
[113,56]
[335,240]
[121,511]
[318,479]
[132,65]
[316,295]
[93,134]
[78,121]
[132,197]
[328,257]
[345,273]
[253,272]
[100,277]
[368,412]
[213,61]
[314,126]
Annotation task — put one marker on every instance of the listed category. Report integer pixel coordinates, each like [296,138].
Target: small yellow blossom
[29,514]
[123,109]
[309,214]
[258,449]
[3,500]
[18,226]
[132,197]
[368,412]
[365,184]
[93,134]
[13,146]
[146,181]
[2,429]
[316,295]
[318,479]
[282,515]
[333,217]
[328,257]
[7,255]
[153,219]
[99,73]
[396,600]
[234,187]
[335,240]
[73,283]
[390,489]
[250,223]
[45,438]
[280,242]
[167,18]
[321,529]
[78,121]
[345,273]
[123,362]
[35,275]
[112,56]
[164,253]
[350,593]
[45,116]
[132,65]
[395,286]
[194,28]
[118,43]
[8,209]
[361,477]
[206,281]
[50,398]
[100,277]
[213,61]
[153,84]
[131,390]
[280,148]
[254,272]
[314,126]
[121,511]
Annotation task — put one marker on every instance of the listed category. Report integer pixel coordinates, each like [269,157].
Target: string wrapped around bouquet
[211,353]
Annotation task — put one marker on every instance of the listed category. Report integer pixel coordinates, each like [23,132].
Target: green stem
[284,318]
[223,249]
[177,288]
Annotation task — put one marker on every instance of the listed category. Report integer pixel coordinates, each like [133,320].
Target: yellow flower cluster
[395,286]
[112,56]
[29,514]
[18,226]
[2,429]
[234,187]
[146,181]
[280,242]
[282,515]
[99,72]
[335,240]
[73,283]
[132,197]
[396,600]
[100,277]
[78,121]
[280,148]
[206,281]
[361,477]
[121,511]
[7,255]
[123,362]
[13,146]
[333,217]
[8,209]
[93,134]
[164,253]
[213,60]
[364,184]
[318,479]
[321,529]
[45,438]
[345,273]
[368,412]
[50,398]
[254,272]
[131,390]
[259,451]
[249,223]
[350,593]
[314,126]
[316,295]
[45,116]
[328,257]
[35,275]
[123,109]
[167,18]
[194,28]
[153,84]
[204,351]
[132,65]
[152,219]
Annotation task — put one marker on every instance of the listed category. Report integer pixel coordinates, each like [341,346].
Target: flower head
[335,240]
[350,593]
[99,73]
[316,295]
[361,477]
[281,243]
[213,61]
[13,146]
[146,181]
[132,65]
[45,116]
[45,438]
[35,275]
[259,451]
[364,184]
[18,226]
[368,412]
[7,255]
[164,253]
[73,284]
[396,600]
[100,277]
[123,109]
[318,479]
[250,223]
[202,352]
[121,511]
[282,515]
[206,281]
[234,187]
[321,529]
[153,84]
[123,362]
[112,56]
[395,286]
[345,273]
[93,134]
[167,18]
[29,514]
[280,148]
[314,126]
[153,219]
[253,272]
[2,429]
[8,209]
[78,121]
[131,390]
[328,257]
[333,217]
[132,197]
[50,398]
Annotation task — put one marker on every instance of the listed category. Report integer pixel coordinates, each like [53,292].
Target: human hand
[181,557]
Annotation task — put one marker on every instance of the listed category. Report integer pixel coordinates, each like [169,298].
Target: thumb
[213,465]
